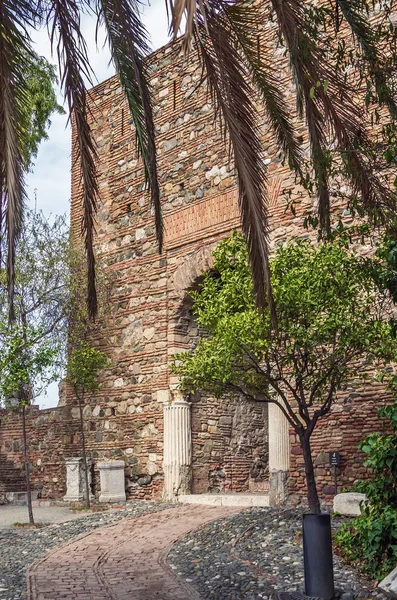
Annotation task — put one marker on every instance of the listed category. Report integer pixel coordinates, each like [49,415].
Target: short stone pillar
[349,503]
[177,449]
[75,479]
[111,474]
[279,454]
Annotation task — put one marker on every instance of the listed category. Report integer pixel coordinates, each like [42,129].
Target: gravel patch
[250,555]
[20,547]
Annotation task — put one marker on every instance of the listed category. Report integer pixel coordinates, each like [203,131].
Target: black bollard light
[317,556]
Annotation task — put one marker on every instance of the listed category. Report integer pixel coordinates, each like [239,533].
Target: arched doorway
[228,437]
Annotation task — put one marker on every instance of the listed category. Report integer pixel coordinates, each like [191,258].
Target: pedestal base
[112,499]
[75,479]
[112,481]
[278,487]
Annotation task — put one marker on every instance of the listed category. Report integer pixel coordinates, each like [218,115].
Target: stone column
[75,479]
[177,449]
[111,474]
[279,453]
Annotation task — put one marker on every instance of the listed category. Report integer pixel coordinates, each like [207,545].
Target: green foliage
[25,359]
[33,350]
[382,461]
[329,313]
[42,293]
[331,319]
[84,365]
[40,102]
[370,541]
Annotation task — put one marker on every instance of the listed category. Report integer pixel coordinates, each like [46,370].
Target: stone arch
[228,439]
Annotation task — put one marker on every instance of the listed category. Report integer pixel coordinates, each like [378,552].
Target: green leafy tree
[33,347]
[42,293]
[84,365]
[331,49]
[331,316]
[39,105]
[27,362]
[34,105]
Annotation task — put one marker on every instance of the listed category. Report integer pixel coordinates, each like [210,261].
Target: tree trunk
[25,458]
[312,495]
[87,487]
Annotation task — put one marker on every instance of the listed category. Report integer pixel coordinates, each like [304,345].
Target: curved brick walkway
[123,562]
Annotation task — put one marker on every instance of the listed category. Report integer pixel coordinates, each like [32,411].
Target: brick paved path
[123,562]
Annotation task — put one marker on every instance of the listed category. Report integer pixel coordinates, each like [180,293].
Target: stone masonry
[149,311]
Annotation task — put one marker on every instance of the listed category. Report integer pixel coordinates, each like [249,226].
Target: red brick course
[122,562]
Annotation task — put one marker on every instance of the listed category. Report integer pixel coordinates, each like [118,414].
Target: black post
[335,481]
[317,556]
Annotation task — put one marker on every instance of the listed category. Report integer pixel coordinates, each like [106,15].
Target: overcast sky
[49,183]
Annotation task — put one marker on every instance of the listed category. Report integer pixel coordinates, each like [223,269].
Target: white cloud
[49,183]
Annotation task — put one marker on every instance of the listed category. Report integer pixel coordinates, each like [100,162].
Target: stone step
[16,482]
[20,498]
[242,499]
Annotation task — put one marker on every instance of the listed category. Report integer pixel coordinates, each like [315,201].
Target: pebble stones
[19,548]
[255,555]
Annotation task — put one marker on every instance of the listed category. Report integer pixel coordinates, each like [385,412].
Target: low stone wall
[50,435]
[53,435]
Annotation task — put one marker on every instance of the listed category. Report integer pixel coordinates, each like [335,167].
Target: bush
[369,542]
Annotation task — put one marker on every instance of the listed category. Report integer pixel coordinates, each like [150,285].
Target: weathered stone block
[389,584]
[112,481]
[349,503]
[75,479]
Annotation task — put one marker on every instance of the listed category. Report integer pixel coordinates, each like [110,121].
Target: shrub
[369,542]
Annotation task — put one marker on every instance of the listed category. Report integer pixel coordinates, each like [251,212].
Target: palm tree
[241,74]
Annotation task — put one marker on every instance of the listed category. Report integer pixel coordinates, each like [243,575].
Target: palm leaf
[354,14]
[233,97]
[246,21]
[63,18]
[330,111]
[195,12]
[14,47]
[128,41]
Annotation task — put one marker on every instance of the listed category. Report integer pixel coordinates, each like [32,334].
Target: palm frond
[64,20]
[14,46]
[354,14]
[330,106]
[246,21]
[233,97]
[128,41]
[194,11]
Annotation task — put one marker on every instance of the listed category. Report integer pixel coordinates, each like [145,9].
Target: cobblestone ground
[177,553]
[19,547]
[250,555]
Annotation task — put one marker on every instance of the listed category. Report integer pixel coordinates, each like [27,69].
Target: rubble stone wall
[51,435]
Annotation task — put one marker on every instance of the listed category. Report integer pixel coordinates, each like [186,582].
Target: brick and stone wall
[229,445]
[200,207]
[51,436]
[149,318]
[199,198]
[352,418]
